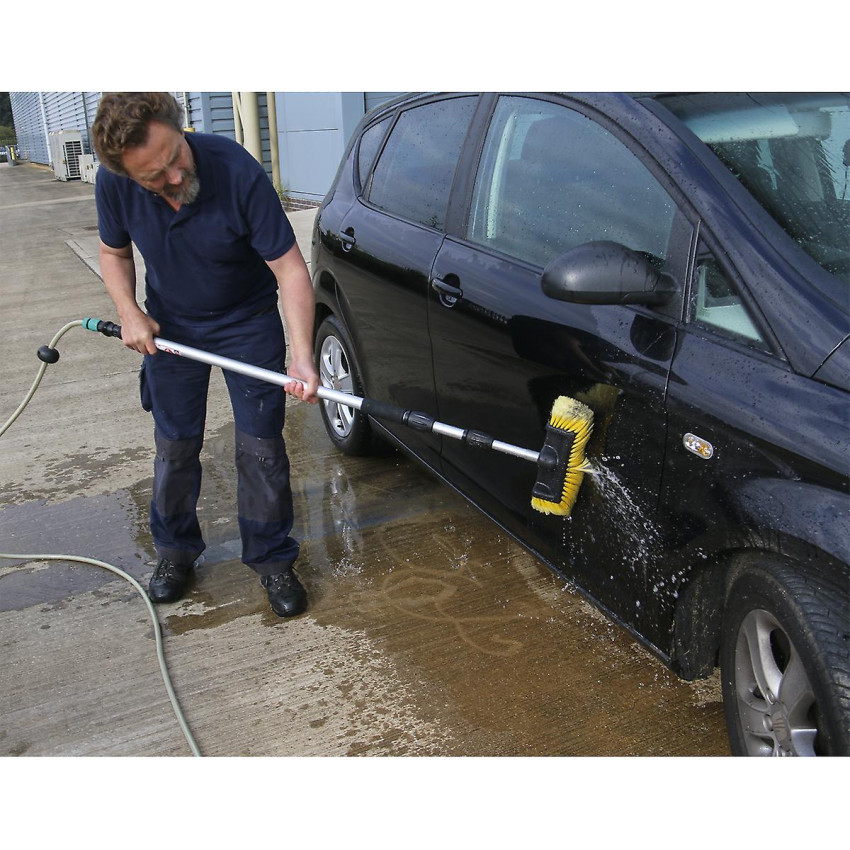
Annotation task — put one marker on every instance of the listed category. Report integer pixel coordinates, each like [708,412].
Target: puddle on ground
[109,528]
[502,648]
[488,642]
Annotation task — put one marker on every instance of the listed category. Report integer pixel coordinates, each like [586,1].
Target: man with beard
[217,248]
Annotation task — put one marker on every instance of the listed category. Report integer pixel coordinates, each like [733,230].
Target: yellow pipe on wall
[237,117]
[249,110]
[275,151]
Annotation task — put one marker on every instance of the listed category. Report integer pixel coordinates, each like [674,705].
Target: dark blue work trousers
[174,389]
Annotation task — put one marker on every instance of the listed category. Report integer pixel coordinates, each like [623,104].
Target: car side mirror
[605,273]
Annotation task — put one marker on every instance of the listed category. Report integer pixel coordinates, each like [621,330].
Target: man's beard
[186,192]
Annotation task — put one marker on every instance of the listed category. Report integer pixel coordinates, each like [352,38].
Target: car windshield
[792,152]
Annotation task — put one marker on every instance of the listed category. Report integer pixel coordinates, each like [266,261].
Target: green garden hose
[46,360]
[157,631]
[48,355]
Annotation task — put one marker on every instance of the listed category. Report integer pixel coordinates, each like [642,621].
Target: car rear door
[550,178]
[390,237]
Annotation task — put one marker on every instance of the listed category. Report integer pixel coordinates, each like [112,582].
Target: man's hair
[123,119]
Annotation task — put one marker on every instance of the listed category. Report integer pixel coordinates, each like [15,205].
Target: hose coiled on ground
[48,354]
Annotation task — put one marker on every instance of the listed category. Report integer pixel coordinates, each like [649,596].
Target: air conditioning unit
[66,148]
[88,168]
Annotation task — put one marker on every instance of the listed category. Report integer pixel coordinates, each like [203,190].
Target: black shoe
[286,594]
[168,581]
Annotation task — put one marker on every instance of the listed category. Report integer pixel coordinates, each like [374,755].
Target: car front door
[400,219]
[550,179]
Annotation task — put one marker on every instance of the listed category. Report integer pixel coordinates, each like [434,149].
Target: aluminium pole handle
[417,420]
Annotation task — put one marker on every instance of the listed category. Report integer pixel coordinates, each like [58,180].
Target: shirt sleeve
[109,224]
[271,233]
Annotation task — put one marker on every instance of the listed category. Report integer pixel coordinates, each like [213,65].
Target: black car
[681,265]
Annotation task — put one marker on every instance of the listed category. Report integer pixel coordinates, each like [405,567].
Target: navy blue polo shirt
[205,263]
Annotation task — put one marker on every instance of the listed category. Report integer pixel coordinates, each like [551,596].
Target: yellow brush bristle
[571,416]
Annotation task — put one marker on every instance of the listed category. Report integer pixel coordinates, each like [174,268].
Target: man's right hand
[137,332]
[119,276]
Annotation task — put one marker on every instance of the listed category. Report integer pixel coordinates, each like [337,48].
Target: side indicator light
[698,446]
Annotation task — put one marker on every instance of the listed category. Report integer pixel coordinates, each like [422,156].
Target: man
[217,248]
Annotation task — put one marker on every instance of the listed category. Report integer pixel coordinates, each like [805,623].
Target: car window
[552,179]
[792,152]
[369,144]
[716,301]
[414,174]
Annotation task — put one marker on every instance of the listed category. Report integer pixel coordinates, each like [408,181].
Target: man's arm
[119,276]
[299,310]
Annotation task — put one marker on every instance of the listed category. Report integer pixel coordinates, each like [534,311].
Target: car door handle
[446,290]
[347,239]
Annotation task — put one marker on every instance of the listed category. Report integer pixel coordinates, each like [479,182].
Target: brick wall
[295,204]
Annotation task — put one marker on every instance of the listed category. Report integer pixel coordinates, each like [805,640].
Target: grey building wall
[265,132]
[66,110]
[194,106]
[211,112]
[37,114]
[29,125]
[312,130]
[376,98]
[216,116]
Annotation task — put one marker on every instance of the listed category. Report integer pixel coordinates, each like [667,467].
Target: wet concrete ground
[430,632]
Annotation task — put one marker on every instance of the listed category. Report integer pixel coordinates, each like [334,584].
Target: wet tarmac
[430,632]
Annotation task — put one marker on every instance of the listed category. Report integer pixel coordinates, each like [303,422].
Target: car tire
[785,663]
[348,428]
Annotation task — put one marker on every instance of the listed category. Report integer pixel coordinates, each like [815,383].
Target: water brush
[561,463]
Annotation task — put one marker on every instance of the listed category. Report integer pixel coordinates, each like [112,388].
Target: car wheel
[348,429]
[785,663]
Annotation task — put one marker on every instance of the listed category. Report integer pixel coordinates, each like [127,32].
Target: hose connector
[106,328]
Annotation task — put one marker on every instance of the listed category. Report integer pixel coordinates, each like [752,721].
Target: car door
[754,447]
[390,237]
[550,179]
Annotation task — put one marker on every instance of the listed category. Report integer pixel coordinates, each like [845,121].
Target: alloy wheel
[775,699]
[335,374]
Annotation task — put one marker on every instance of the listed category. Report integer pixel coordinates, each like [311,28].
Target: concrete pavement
[430,632]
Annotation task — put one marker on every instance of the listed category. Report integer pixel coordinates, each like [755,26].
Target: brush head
[562,464]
